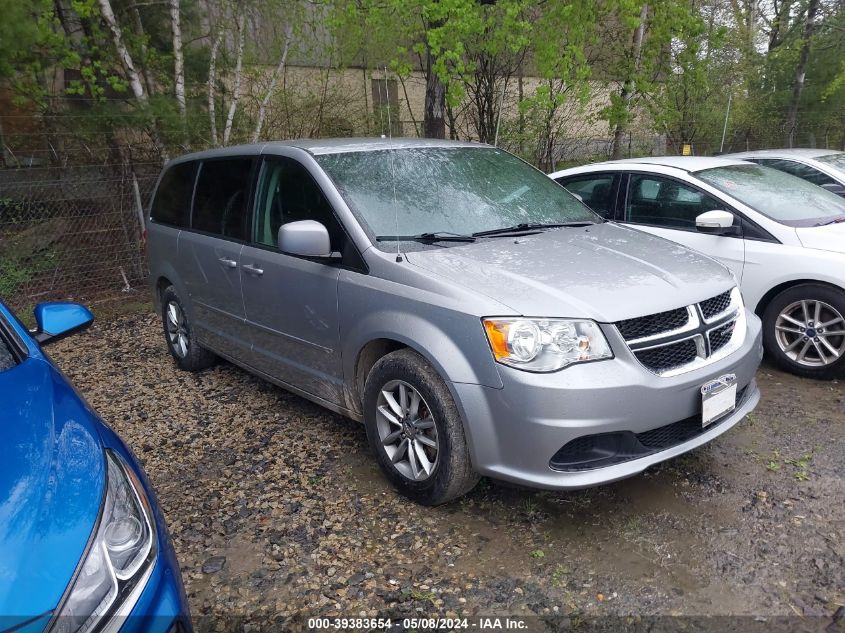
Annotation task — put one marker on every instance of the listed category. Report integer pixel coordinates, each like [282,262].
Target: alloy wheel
[811,333]
[177,330]
[407,430]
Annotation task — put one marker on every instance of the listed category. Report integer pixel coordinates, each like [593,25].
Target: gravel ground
[276,508]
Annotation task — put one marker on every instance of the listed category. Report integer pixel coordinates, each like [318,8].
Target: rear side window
[172,203]
[220,202]
[597,191]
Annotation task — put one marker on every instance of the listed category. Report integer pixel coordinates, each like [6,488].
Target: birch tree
[236,87]
[212,83]
[122,52]
[178,60]
[262,109]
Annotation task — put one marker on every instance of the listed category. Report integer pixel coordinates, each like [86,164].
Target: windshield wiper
[437,236]
[835,220]
[530,226]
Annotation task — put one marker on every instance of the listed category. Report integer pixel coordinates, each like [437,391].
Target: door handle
[253,270]
[228,263]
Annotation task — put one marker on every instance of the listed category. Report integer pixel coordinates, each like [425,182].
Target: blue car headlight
[119,559]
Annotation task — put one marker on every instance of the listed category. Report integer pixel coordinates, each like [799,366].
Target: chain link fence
[71,218]
[73,195]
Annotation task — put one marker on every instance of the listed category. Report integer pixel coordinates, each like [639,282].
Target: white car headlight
[545,345]
[121,553]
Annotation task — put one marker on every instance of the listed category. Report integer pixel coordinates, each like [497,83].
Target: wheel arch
[367,357]
[773,292]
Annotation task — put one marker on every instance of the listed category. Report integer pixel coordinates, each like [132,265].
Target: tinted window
[597,191]
[776,194]
[172,204]
[408,191]
[220,202]
[288,193]
[810,174]
[665,202]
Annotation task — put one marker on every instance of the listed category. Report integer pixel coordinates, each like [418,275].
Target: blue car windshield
[7,359]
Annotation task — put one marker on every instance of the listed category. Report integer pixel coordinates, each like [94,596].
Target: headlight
[121,553]
[545,345]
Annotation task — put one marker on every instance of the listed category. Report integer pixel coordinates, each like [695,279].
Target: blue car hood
[52,476]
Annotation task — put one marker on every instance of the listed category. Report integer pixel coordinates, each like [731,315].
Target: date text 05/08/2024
[418,623]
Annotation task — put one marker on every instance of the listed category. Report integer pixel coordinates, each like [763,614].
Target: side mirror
[835,187]
[716,223]
[307,238]
[59,319]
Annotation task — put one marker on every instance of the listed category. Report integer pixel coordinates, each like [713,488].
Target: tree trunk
[434,118]
[262,110]
[178,60]
[410,109]
[131,72]
[627,92]
[521,120]
[139,31]
[122,52]
[236,88]
[212,83]
[801,72]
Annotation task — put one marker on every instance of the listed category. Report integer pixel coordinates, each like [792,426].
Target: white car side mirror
[715,222]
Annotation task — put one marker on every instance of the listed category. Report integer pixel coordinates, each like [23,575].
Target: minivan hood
[52,477]
[604,272]
[830,237]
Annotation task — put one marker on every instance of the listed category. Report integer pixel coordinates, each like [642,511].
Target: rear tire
[415,431]
[179,335]
[804,331]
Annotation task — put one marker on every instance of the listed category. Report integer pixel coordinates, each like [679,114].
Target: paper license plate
[718,398]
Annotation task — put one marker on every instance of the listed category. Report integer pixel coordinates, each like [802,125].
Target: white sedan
[783,238]
[823,167]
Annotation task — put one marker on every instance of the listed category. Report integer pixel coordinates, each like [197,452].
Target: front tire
[415,431]
[804,331]
[179,335]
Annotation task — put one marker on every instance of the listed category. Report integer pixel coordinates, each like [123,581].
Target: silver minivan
[478,318]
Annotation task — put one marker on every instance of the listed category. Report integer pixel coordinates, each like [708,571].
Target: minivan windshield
[776,194]
[456,191]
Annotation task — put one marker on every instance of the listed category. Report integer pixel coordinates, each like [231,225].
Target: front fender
[431,323]
[467,362]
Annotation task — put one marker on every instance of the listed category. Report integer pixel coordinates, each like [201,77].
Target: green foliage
[579,59]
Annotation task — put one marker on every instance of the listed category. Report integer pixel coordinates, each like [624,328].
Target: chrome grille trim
[702,331]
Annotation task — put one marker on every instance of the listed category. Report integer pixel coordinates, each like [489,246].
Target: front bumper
[513,432]
[160,607]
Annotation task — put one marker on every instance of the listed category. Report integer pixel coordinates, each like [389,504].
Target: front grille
[670,342]
[721,336]
[716,305]
[661,359]
[641,327]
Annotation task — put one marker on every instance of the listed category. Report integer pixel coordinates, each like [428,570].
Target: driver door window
[288,193]
[664,202]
